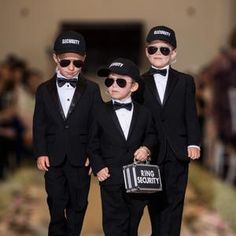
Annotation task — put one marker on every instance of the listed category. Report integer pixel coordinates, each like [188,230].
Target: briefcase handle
[141,162]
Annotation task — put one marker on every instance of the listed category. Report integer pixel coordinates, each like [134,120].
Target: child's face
[164,56]
[69,64]
[120,87]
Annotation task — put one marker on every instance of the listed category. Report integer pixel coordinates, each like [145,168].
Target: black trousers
[122,211]
[67,188]
[166,207]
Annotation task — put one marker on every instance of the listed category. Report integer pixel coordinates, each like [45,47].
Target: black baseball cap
[121,66]
[162,33]
[70,41]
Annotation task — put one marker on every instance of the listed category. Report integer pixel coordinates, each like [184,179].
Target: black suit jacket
[109,148]
[58,136]
[176,119]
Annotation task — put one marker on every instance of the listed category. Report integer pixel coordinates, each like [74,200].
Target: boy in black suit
[62,119]
[122,132]
[170,96]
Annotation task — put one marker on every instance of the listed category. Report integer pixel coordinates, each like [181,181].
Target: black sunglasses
[164,50]
[66,62]
[120,82]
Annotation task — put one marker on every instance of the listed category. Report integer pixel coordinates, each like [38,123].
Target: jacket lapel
[133,120]
[149,80]
[115,119]
[172,80]
[80,88]
[55,97]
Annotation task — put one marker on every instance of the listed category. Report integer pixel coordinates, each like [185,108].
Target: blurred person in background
[221,71]
[26,103]
[204,95]
[11,128]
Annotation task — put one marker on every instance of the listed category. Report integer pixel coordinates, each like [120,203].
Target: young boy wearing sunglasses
[62,118]
[122,132]
[170,96]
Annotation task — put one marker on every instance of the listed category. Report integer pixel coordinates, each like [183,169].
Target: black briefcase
[142,178]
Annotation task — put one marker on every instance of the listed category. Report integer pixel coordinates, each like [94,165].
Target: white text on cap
[70,41]
[116,64]
[162,32]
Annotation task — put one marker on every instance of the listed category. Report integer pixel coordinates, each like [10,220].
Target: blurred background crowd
[18,84]
[216,96]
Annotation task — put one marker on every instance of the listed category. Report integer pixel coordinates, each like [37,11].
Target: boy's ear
[147,55]
[55,58]
[134,87]
[173,55]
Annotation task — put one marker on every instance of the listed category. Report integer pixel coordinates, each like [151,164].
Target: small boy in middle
[122,131]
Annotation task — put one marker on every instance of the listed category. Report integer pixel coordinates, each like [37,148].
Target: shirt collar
[166,67]
[127,100]
[59,75]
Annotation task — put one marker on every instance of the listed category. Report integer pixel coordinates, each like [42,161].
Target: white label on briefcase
[142,178]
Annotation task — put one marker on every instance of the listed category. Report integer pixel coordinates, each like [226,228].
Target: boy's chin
[119,97]
[160,65]
[70,76]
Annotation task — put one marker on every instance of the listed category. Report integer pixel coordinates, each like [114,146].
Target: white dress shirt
[65,93]
[161,82]
[124,116]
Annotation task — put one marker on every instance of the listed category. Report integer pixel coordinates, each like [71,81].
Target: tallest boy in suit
[170,95]
[62,119]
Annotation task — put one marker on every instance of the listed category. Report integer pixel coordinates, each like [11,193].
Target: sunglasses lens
[78,63]
[165,51]
[121,83]
[64,63]
[109,82]
[152,50]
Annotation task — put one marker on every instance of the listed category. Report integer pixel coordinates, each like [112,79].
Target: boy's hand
[103,174]
[193,153]
[43,163]
[142,154]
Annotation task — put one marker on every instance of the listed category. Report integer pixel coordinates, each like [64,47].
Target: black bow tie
[62,81]
[156,71]
[118,105]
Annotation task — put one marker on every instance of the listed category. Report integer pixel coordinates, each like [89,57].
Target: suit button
[67,126]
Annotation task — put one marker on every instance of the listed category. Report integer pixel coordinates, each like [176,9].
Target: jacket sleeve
[150,138]
[39,126]
[191,117]
[94,148]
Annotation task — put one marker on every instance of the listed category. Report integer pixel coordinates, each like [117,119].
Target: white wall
[28,27]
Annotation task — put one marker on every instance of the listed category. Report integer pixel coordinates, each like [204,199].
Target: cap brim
[70,51]
[103,72]
[161,38]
